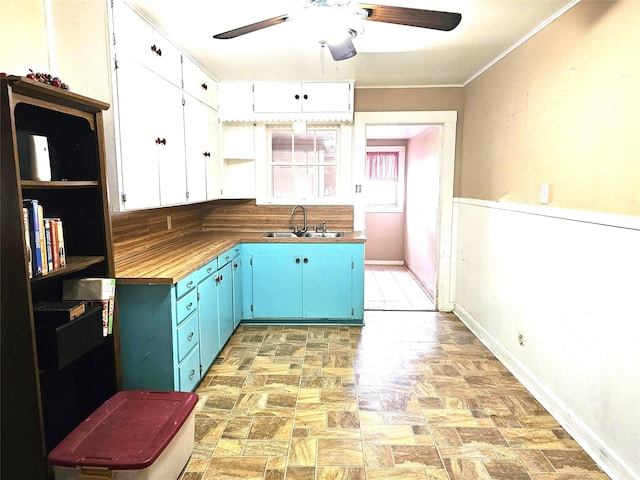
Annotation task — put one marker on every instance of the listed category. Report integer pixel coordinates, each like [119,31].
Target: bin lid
[127,432]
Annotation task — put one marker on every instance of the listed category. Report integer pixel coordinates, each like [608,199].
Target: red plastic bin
[135,435]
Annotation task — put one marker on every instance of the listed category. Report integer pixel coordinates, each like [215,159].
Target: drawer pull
[189,305]
[204,86]
[193,372]
[190,284]
[190,336]
[209,270]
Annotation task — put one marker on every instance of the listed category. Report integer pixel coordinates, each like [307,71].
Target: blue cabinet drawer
[187,284]
[189,371]
[227,256]
[186,306]
[188,336]
[208,269]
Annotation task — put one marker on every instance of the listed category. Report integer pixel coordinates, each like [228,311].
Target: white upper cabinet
[137,39]
[302,97]
[199,84]
[286,101]
[151,139]
[202,151]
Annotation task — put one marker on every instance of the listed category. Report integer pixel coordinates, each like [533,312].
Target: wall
[414,100]
[423,186]
[560,109]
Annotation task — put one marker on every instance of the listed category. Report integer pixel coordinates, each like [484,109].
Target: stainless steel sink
[280,235]
[324,234]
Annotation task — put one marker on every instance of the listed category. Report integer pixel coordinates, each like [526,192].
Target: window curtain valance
[382,166]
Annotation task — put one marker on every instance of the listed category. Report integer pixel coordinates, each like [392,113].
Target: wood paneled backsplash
[140,230]
[246,215]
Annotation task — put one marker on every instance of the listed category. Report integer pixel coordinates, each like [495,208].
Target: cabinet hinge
[124,198]
[252,307]
[353,265]
[183,101]
[187,196]
[115,64]
[353,312]
[198,296]
[113,40]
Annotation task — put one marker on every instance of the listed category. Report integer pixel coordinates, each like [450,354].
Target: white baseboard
[384,262]
[561,412]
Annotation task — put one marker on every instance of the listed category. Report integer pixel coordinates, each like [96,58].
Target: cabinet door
[237,266]
[235,99]
[208,311]
[198,84]
[326,290]
[225,303]
[326,97]
[137,39]
[197,148]
[277,97]
[137,105]
[169,126]
[277,286]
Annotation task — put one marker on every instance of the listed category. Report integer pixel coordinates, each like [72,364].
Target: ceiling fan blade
[343,49]
[412,17]
[236,32]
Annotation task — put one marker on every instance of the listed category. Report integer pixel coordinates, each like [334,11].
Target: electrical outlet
[168,222]
[544,193]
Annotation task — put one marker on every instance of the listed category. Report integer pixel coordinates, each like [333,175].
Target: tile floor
[391,287]
[409,396]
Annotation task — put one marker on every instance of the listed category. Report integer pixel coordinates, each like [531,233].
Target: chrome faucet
[304,213]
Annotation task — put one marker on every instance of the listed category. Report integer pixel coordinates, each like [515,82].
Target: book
[47,239]
[43,242]
[62,257]
[34,236]
[55,247]
[58,311]
[27,238]
[95,291]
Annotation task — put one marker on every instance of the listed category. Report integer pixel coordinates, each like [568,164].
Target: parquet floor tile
[409,396]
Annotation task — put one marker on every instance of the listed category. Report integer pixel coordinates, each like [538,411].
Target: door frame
[445,273]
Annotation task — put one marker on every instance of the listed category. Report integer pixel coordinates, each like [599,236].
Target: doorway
[440,211]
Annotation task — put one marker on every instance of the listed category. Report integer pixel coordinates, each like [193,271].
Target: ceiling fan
[343,18]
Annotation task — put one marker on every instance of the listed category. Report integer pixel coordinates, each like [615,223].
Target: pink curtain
[382,166]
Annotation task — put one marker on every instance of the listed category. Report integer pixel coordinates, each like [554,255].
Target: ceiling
[388,55]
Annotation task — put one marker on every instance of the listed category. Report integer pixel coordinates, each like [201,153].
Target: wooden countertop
[174,260]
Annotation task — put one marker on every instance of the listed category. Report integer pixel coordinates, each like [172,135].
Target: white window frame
[399,207]
[343,173]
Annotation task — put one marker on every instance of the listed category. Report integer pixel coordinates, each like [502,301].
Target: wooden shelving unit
[40,404]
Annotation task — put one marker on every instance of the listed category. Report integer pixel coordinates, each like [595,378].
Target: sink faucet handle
[323,225]
[295,229]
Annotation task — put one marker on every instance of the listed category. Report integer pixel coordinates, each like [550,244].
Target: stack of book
[94,292]
[44,238]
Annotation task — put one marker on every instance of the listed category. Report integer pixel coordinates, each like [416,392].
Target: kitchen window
[303,166]
[384,174]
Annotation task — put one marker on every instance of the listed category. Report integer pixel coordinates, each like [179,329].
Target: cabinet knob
[235,265]
[207,154]
[191,374]
[190,336]
[297,97]
[209,269]
[161,141]
[306,260]
[189,305]
[297,260]
[190,284]
[156,50]
[205,86]
[306,97]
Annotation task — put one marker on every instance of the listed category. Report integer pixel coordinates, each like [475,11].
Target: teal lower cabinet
[160,335]
[208,314]
[171,334]
[307,282]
